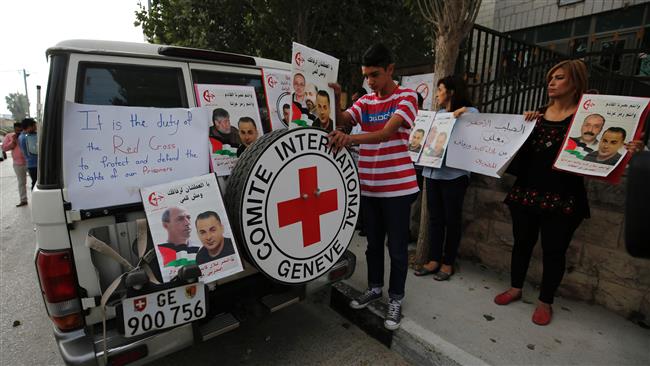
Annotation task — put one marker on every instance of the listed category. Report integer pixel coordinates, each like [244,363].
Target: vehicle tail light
[127,357]
[59,287]
[338,273]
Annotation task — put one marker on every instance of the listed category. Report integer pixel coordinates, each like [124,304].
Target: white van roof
[150,50]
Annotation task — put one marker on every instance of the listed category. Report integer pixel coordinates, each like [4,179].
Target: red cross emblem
[140,304]
[308,208]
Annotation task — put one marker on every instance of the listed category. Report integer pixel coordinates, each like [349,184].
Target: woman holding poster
[446,188]
[544,199]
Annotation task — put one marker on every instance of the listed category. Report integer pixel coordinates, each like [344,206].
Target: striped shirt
[385,169]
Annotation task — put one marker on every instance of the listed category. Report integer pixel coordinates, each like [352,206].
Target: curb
[415,344]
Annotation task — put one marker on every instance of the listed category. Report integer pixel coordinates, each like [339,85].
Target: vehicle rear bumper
[86,347]
[82,350]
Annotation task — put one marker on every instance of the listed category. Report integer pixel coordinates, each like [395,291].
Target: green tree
[266,28]
[18,105]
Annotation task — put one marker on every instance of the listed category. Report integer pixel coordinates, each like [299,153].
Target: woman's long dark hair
[457,92]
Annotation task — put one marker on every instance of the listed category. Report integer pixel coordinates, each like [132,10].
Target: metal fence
[505,75]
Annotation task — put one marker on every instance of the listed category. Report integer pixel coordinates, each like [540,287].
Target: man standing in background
[28,142]
[10,143]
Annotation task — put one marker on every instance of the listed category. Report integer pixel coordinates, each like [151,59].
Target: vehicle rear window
[131,85]
[223,78]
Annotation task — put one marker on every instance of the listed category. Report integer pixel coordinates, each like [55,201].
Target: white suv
[72,276]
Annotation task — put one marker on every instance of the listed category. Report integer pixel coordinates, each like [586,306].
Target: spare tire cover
[294,203]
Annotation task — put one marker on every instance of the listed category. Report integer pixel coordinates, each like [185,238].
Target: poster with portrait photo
[189,225]
[312,98]
[602,125]
[235,122]
[277,87]
[435,145]
[419,133]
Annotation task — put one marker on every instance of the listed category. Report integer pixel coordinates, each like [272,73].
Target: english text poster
[110,152]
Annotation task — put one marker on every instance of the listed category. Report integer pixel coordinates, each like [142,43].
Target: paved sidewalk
[458,319]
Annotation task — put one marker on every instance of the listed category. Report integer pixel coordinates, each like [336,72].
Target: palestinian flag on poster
[297,111]
[177,255]
[573,149]
[218,148]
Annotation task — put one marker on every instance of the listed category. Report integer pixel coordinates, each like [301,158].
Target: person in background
[543,199]
[386,174]
[28,142]
[446,189]
[10,143]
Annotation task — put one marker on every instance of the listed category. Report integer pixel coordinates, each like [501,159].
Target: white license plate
[163,309]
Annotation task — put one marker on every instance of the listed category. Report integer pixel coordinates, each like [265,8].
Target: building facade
[578,27]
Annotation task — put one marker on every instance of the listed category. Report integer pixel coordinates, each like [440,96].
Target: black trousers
[387,216]
[32,176]
[557,231]
[445,203]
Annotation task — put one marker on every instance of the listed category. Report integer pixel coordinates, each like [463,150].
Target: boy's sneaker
[364,299]
[393,315]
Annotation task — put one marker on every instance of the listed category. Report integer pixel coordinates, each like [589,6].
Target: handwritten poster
[601,126]
[277,87]
[419,133]
[423,84]
[235,122]
[437,140]
[109,152]
[189,225]
[486,143]
[312,98]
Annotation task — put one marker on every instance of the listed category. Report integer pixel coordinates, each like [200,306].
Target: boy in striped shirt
[386,173]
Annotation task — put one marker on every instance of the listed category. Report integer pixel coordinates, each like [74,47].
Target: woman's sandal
[442,276]
[506,298]
[423,271]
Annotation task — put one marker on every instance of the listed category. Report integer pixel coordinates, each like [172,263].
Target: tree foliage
[18,105]
[266,28]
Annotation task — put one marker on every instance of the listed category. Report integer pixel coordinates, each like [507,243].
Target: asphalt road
[309,333]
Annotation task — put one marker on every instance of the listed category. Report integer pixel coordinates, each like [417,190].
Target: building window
[619,19]
[554,31]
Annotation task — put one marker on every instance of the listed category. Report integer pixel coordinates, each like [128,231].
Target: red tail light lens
[56,274]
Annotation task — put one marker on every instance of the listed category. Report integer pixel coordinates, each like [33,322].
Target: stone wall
[599,270]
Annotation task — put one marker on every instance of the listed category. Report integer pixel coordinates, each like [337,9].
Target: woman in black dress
[547,200]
